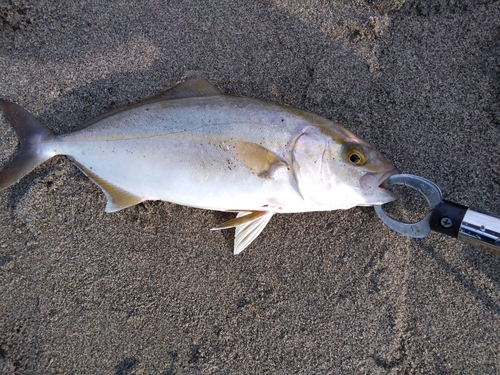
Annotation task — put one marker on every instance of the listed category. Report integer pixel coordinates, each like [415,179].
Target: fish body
[198,147]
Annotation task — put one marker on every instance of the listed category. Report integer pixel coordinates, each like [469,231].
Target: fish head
[336,169]
[370,171]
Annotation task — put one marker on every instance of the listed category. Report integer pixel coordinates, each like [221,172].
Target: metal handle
[453,219]
[475,228]
[481,230]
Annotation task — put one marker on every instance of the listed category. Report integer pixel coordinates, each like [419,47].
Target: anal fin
[117,198]
[248,226]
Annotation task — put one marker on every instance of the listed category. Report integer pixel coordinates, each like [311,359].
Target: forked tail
[31,134]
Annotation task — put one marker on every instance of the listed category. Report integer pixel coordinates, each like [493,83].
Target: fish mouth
[375,187]
[384,179]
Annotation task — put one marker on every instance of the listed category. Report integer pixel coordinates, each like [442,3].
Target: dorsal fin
[191,85]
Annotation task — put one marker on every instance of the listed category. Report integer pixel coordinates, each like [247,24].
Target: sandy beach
[151,290]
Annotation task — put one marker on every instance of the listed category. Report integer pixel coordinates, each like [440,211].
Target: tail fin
[30,133]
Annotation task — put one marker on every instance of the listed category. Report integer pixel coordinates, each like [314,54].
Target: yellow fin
[191,85]
[258,159]
[246,233]
[248,226]
[239,220]
[118,199]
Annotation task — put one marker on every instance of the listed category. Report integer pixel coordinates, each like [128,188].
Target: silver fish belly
[198,147]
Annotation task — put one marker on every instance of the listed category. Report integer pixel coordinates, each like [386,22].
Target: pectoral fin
[117,198]
[248,227]
[259,159]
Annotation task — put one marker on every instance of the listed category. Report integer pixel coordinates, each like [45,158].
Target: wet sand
[151,290]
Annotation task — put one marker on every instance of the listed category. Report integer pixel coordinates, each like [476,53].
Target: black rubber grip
[447,218]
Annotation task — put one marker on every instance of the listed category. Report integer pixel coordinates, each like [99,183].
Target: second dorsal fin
[192,85]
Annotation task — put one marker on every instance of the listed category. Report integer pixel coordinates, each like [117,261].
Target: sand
[151,290]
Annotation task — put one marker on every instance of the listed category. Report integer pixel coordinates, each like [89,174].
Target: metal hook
[428,189]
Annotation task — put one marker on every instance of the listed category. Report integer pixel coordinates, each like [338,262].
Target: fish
[196,146]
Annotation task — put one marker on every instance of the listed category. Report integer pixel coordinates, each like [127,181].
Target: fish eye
[354,158]
[354,155]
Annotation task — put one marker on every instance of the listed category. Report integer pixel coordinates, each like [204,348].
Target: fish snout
[375,185]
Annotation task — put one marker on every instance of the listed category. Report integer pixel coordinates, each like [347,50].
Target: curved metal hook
[428,189]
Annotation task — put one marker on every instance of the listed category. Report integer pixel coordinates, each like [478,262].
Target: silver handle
[481,230]
[453,219]
[473,227]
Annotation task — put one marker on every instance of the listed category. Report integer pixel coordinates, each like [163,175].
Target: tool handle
[473,227]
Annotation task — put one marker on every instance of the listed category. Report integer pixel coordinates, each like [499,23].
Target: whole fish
[196,146]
